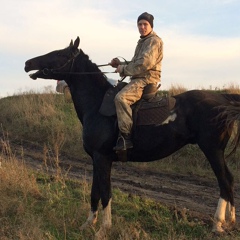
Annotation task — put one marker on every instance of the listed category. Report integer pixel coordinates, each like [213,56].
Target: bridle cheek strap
[46,71]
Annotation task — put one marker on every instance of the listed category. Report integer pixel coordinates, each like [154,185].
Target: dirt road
[197,194]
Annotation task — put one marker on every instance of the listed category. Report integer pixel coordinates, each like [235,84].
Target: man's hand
[115,62]
[118,69]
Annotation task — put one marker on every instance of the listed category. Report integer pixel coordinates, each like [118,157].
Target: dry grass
[34,205]
[176,89]
[45,119]
[16,186]
[232,88]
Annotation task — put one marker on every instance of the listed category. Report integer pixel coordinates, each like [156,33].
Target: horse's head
[50,64]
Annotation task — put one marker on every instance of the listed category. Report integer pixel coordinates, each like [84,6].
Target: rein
[46,71]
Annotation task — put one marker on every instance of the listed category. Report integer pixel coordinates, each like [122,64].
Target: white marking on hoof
[107,222]
[107,215]
[217,228]
[219,217]
[230,216]
[92,219]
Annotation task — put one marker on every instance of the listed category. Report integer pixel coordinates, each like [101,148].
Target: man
[143,69]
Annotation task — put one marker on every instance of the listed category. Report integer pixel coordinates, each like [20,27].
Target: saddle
[151,109]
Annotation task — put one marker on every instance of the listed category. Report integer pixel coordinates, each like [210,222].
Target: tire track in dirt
[197,194]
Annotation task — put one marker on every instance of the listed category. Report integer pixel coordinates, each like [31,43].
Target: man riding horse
[144,69]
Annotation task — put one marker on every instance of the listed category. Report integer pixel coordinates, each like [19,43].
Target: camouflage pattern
[144,68]
[146,62]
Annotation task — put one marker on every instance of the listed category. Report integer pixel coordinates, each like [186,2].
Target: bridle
[47,71]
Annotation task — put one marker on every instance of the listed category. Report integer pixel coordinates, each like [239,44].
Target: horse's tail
[231,114]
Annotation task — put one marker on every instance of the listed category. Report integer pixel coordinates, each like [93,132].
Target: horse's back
[203,101]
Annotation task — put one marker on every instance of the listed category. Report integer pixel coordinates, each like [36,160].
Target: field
[46,181]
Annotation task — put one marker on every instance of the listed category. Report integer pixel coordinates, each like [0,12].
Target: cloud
[197,61]
[191,56]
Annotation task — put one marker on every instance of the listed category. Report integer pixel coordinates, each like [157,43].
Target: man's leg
[131,93]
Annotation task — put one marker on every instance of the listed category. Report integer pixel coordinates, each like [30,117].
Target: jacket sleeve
[145,60]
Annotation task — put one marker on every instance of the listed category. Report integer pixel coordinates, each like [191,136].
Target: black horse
[198,119]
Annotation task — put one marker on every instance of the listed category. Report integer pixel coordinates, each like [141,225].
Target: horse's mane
[87,65]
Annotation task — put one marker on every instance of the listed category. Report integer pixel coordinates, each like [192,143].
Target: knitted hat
[146,16]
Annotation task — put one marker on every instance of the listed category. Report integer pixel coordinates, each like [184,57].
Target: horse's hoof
[217,229]
[85,225]
[229,226]
[101,234]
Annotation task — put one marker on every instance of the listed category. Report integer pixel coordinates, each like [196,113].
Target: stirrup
[123,144]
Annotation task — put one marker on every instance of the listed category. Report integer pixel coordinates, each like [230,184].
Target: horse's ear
[71,43]
[76,42]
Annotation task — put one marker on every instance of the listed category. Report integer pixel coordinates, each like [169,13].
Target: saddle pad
[155,112]
[108,106]
[145,112]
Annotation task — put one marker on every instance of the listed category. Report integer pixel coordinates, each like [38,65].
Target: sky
[201,38]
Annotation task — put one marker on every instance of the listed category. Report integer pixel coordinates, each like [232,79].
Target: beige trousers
[130,94]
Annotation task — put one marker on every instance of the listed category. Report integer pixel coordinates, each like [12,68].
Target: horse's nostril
[28,65]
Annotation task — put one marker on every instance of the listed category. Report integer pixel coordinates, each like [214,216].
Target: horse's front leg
[103,166]
[95,197]
[101,189]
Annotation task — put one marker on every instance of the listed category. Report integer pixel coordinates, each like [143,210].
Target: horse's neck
[88,90]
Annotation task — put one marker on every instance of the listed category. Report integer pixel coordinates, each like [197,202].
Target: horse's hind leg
[230,215]
[226,209]
[225,216]
[225,182]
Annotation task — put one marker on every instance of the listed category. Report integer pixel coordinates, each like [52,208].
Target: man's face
[144,27]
